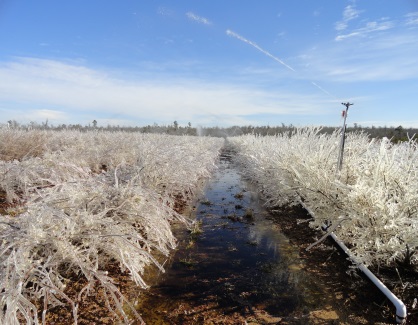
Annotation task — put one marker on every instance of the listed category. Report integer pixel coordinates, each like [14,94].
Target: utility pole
[341,152]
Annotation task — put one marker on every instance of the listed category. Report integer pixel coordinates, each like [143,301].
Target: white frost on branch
[84,201]
[376,191]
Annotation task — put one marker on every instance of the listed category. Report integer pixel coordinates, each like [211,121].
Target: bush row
[83,201]
[372,203]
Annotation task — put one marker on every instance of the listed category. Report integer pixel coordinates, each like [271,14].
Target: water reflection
[239,263]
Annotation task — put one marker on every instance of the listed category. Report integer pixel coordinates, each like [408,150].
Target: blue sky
[236,62]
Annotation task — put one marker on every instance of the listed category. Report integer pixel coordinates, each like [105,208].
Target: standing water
[237,269]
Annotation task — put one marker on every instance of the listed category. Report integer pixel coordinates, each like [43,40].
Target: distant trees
[12,124]
[396,135]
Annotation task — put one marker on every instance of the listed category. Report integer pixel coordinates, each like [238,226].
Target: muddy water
[240,269]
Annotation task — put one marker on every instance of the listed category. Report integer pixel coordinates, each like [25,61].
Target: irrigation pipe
[399,305]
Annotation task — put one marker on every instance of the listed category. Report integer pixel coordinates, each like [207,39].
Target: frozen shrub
[371,201]
[95,199]
[18,144]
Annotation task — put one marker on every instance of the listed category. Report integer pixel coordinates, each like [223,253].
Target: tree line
[396,134]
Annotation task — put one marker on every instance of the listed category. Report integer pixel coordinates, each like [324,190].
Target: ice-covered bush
[18,144]
[79,228]
[372,200]
[383,204]
[90,200]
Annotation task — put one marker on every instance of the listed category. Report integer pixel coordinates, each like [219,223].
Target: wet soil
[4,205]
[352,293]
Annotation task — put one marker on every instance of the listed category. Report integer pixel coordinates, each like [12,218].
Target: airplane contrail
[233,34]
[322,89]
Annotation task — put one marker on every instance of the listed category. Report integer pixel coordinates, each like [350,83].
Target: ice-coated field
[73,202]
[371,203]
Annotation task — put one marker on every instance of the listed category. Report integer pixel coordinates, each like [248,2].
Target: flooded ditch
[235,268]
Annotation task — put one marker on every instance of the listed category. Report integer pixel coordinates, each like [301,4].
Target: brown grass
[18,144]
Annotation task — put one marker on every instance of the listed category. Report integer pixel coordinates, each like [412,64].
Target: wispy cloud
[199,19]
[60,90]
[349,13]
[370,27]
[164,11]
[412,19]
[386,57]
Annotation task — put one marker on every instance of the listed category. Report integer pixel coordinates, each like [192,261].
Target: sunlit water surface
[240,262]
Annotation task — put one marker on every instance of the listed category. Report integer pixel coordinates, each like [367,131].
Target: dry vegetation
[76,204]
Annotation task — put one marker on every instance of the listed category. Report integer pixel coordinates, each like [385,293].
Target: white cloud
[197,18]
[412,19]
[34,115]
[59,91]
[49,114]
[350,13]
[71,72]
[369,28]
[386,57]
